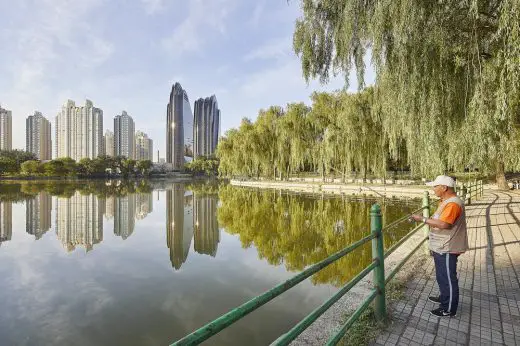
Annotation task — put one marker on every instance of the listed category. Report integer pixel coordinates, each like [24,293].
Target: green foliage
[144,166]
[31,167]
[11,160]
[339,134]
[448,74]
[203,165]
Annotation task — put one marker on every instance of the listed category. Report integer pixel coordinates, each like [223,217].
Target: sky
[126,54]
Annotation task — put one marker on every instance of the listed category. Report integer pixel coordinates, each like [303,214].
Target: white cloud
[153,6]
[203,20]
[276,48]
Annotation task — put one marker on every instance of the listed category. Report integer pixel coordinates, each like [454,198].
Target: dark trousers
[446,273]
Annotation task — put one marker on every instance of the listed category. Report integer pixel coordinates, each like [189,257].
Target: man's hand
[418,218]
[432,222]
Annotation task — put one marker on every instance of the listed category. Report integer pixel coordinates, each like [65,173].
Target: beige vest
[454,240]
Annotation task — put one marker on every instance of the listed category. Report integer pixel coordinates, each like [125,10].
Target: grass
[367,328]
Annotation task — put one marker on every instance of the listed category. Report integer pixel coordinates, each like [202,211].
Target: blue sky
[126,54]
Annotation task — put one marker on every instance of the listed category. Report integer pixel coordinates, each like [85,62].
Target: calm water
[100,263]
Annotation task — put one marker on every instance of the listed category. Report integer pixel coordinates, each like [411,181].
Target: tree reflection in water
[298,231]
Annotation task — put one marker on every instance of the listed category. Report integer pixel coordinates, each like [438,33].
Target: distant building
[124,136]
[179,128]
[109,143]
[143,146]
[79,131]
[6,129]
[38,136]
[206,129]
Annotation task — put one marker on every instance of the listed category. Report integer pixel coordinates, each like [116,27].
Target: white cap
[442,180]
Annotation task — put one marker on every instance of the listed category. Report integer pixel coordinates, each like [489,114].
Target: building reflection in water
[79,221]
[179,223]
[124,220]
[38,214]
[6,221]
[109,207]
[143,205]
[190,215]
[207,235]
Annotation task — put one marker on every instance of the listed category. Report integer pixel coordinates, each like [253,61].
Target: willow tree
[447,74]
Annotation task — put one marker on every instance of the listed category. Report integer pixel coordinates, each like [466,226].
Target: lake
[145,263]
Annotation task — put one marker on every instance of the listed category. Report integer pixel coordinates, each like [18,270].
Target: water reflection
[292,230]
[6,221]
[38,215]
[298,231]
[79,221]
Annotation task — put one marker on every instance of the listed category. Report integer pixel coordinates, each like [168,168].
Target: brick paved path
[489,280]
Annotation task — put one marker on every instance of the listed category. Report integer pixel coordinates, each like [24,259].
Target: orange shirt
[450,213]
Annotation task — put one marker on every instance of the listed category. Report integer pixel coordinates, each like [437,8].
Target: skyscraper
[109,143]
[6,129]
[79,131]
[38,136]
[79,221]
[124,136]
[179,128]
[143,146]
[206,126]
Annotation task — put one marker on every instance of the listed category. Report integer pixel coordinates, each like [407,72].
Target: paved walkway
[489,280]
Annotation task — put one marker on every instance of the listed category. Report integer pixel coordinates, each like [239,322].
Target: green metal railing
[471,190]
[376,266]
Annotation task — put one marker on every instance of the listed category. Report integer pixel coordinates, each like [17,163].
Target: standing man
[448,239]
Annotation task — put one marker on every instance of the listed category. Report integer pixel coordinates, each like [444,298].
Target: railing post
[426,214]
[464,192]
[378,254]
[468,193]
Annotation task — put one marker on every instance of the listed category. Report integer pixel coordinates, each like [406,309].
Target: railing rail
[467,192]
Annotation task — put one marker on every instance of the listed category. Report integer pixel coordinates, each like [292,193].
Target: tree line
[339,133]
[22,163]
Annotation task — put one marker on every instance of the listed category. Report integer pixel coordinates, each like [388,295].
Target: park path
[489,280]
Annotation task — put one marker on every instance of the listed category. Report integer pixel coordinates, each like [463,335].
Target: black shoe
[434,299]
[440,312]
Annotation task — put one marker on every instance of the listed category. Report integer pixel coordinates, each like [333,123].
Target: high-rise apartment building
[79,131]
[179,128]
[124,136]
[143,146]
[6,129]
[109,143]
[79,221]
[38,136]
[206,126]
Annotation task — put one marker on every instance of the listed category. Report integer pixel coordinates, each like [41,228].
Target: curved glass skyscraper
[179,128]
[206,126]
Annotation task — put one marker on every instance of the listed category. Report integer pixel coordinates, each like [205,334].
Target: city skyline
[251,65]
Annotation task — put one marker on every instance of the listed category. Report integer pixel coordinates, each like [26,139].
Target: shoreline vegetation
[20,165]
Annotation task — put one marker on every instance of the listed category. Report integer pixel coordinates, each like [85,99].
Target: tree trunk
[501,177]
